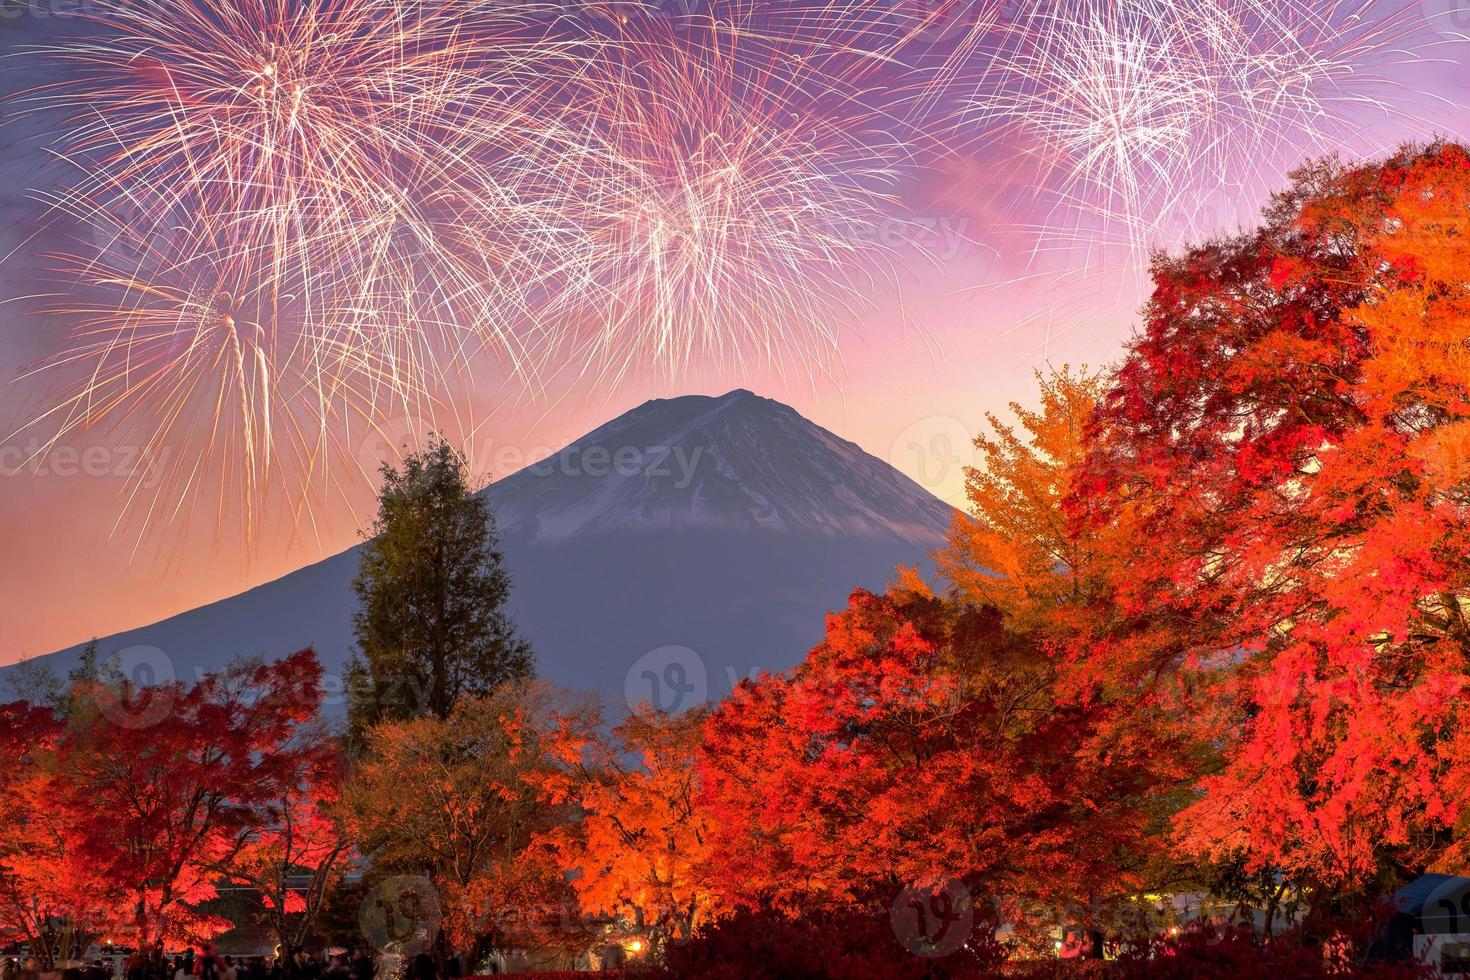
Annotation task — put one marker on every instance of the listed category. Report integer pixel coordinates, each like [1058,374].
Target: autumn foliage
[1281,466]
[1203,631]
[460,799]
[44,888]
[641,846]
[1205,620]
[853,942]
[121,819]
[294,857]
[917,743]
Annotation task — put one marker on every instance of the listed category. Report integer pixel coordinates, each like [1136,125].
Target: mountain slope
[694,537]
[739,462]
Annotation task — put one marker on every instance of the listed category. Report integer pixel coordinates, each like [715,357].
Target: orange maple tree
[1015,549]
[640,845]
[474,819]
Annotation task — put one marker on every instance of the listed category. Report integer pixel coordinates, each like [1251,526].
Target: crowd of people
[205,964]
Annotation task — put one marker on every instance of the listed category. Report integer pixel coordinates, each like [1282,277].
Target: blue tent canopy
[1411,898]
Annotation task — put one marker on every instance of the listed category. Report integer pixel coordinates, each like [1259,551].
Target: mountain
[663,556]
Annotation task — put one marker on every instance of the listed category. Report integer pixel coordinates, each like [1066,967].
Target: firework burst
[333,138]
[287,209]
[1139,112]
[201,347]
[304,217]
[712,200]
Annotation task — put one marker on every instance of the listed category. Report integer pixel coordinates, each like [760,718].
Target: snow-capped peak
[734,461]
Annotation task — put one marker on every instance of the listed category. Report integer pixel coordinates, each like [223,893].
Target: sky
[886,213]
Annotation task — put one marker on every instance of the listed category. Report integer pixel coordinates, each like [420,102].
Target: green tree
[90,670]
[90,666]
[431,586]
[34,682]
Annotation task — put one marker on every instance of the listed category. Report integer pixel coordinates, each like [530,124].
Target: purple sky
[1046,154]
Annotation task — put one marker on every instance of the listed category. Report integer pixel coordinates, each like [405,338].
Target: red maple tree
[1281,469]
[48,899]
[156,788]
[300,850]
[918,743]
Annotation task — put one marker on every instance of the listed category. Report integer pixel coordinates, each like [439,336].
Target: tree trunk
[1271,906]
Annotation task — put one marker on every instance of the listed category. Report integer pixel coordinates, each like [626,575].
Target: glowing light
[715,206]
[1138,112]
[307,219]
